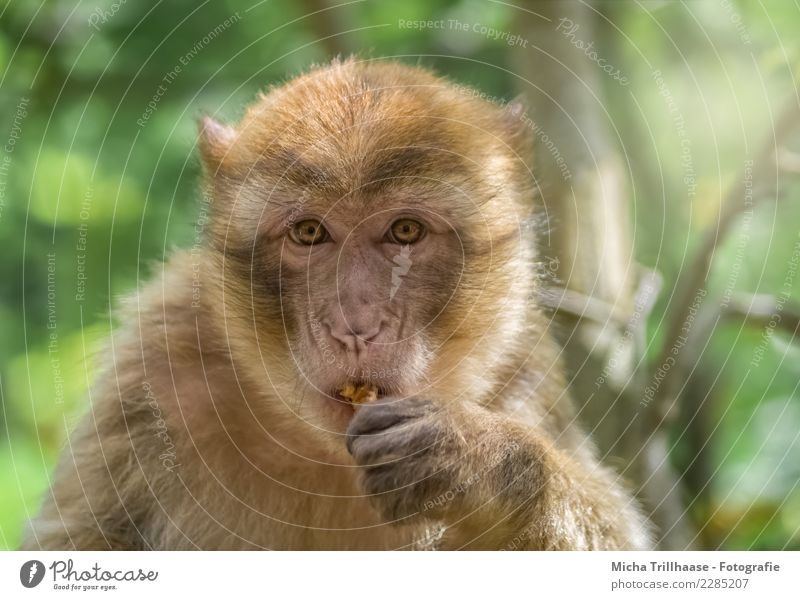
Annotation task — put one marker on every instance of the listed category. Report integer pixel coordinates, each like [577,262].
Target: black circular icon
[31,573]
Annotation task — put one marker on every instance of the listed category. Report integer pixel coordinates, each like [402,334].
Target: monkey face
[367,289]
[369,222]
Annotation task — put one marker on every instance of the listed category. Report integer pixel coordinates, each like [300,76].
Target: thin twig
[760,311]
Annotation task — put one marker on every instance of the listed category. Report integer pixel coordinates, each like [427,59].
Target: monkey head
[371,224]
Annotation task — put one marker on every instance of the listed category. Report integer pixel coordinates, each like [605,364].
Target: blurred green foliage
[98,184]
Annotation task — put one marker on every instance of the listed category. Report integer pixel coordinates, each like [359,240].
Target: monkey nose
[354,337]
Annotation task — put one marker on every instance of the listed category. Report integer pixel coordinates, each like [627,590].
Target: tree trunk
[601,297]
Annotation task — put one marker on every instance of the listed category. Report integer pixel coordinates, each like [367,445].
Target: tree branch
[710,241]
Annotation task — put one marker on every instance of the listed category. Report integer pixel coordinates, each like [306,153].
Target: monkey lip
[339,399]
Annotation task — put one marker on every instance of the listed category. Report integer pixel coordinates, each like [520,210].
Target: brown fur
[211,428]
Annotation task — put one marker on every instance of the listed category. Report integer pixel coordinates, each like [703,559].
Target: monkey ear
[517,125]
[517,107]
[216,140]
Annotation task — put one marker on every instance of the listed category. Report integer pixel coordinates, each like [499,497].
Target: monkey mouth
[338,395]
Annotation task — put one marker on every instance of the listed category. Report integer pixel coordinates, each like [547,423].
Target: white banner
[406,576]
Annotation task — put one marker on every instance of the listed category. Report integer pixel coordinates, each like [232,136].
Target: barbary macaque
[372,228]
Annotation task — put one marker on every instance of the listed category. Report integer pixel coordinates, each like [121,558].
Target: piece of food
[360,394]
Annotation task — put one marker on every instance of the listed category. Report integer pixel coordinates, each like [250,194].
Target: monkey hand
[422,460]
[491,482]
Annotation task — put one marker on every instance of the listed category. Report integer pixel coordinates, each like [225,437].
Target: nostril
[367,334]
[342,336]
[353,337]
[368,337]
[364,333]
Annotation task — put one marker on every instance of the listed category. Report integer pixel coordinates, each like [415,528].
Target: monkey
[370,223]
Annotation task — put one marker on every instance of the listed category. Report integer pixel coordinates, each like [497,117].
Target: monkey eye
[308,232]
[406,231]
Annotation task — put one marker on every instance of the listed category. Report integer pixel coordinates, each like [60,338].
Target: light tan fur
[209,429]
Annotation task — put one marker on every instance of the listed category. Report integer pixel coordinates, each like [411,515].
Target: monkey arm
[531,494]
[88,507]
[493,482]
